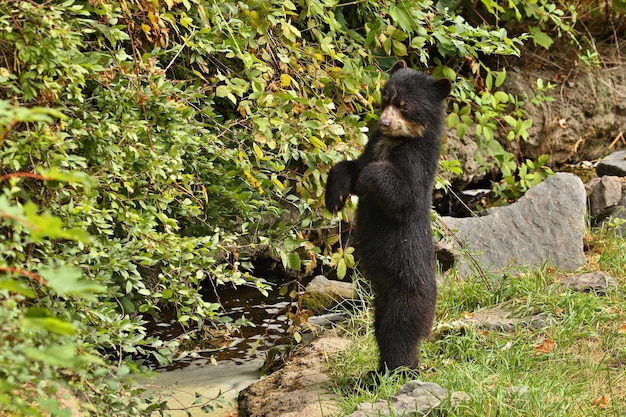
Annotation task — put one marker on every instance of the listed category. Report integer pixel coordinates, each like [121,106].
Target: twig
[620,136]
[23,174]
[25,272]
[175,56]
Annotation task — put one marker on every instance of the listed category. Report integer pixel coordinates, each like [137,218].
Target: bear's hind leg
[400,322]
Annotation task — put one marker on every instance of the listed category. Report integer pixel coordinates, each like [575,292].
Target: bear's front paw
[337,190]
[336,198]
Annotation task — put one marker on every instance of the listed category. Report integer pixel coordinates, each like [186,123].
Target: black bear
[393,179]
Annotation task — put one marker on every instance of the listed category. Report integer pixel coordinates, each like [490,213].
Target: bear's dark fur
[393,179]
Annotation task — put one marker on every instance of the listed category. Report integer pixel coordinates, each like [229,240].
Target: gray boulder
[604,194]
[544,227]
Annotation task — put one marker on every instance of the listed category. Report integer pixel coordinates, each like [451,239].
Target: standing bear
[393,179]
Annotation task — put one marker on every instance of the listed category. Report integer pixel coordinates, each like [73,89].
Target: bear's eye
[404,108]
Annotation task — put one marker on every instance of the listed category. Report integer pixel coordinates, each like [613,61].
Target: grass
[575,367]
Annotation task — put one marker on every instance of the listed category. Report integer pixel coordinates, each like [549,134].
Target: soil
[583,122]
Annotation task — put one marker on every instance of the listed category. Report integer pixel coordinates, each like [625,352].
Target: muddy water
[238,363]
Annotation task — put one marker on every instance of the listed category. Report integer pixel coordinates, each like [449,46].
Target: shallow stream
[238,363]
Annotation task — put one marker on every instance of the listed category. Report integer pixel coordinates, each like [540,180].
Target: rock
[598,282]
[301,388]
[604,194]
[445,254]
[607,202]
[497,318]
[415,398]
[545,226]
[518,391]
[614,164]
[326,320]
[503,320]
[464,150]
[334,289]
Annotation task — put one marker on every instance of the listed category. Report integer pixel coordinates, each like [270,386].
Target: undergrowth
[572,367]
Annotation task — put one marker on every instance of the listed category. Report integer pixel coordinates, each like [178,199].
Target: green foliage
[46,354]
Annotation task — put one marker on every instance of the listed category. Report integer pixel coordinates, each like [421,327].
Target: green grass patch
[573,366]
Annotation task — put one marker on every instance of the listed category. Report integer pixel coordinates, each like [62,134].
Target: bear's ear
[398,65]
[443,86]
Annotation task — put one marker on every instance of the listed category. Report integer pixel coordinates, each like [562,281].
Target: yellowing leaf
[545,347]
[622,329]
[317,142]
[285,80]
[257,151]
[279,184]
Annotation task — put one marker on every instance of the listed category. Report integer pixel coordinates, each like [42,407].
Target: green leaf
[293,261]
[448,73]
[539,37]
[399,48]
[500,77]
[341,268]
[17,287]
[452,120]
[510,120]
[47,225]
[501,96]
[73,177]
[41,319]
[66,280]
[55,355]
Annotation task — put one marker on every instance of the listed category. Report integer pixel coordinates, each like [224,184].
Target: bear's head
[411,103]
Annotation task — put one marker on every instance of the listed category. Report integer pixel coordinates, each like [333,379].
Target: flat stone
[415,398]
[598,281]
[301,388]
[326,320]
[503,320]
[614,164]
[544,227]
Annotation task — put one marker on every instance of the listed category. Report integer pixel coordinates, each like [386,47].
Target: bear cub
[393,179]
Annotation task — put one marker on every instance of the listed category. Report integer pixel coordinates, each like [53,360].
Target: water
[248,344]
[187,389]
[238,363]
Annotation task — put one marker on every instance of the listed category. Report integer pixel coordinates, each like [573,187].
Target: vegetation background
[150,149]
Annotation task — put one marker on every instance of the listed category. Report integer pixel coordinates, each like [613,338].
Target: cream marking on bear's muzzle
[392,123]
